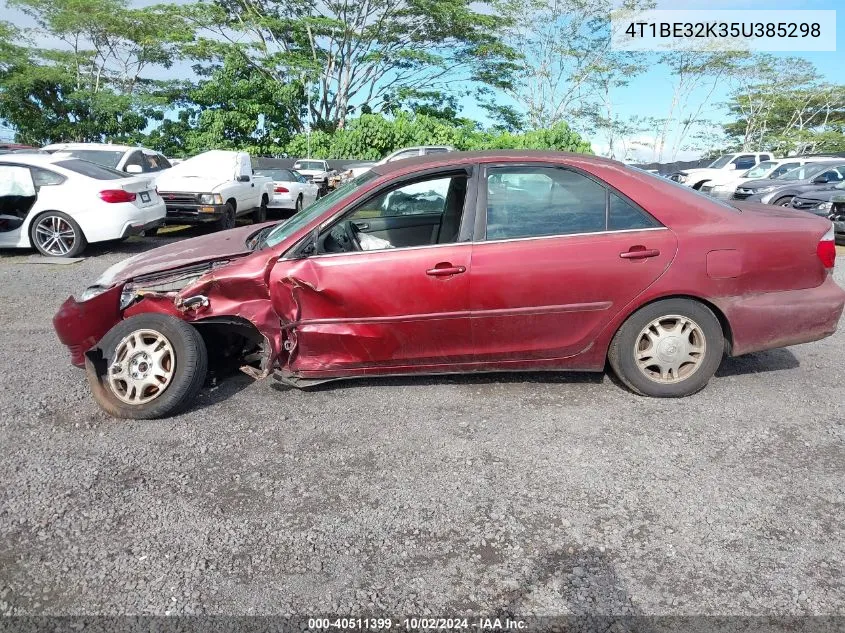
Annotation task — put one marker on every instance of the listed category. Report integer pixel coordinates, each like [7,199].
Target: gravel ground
[539,494]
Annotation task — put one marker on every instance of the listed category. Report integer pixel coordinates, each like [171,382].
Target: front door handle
[639,253]
[445,269]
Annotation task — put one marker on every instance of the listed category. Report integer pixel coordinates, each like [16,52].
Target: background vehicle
[291,190]
[780,191]
[132,160]
[315,170]
[724,185]
[829,203]
[413,152]
[215,187]
[600,263]
[59,204]
[728,163]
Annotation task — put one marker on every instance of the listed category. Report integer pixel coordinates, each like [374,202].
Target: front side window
[542,201]
[427,197]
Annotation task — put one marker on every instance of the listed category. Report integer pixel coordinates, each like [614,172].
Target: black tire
[622,355]
[298,206]
[260,214]
[227,220]
[786,201]
[189,367]
[57,220]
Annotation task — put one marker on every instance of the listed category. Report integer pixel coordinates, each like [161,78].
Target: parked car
[315,170]
[724,185]
[829,203]
[729,163]
[15,147]
[291,190]
[215,187]
[413,152]
[780,191]
[132,160]
[60,204]
[509,260]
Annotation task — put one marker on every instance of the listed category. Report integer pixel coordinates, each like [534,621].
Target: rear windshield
[92,170]
[106,158]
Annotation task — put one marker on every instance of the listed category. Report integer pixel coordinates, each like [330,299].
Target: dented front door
[391,310]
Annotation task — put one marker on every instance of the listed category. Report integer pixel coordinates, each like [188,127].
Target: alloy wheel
[143,366]
[55,235]
[670,349]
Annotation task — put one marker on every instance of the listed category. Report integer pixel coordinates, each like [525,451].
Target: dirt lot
[540,494]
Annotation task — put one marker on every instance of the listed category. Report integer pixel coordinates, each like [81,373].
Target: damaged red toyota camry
[463,262]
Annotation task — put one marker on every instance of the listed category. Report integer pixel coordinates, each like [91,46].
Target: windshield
[761,170]
[720,162]
[806,171]
[287,228]
[309,164]
[102,157]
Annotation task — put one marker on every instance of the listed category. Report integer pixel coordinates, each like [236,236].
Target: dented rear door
[404,309]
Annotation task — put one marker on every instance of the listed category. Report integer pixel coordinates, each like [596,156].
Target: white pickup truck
[729,163]
[214,187]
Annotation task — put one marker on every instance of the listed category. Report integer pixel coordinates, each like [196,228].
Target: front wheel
[786,201]
[668,349]
[153,366]
[227,220]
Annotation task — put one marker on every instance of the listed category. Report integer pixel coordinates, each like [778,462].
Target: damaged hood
[182,253]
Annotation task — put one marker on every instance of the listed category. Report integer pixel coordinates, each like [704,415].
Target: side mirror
[243,178]
[309,246]
[820,180]
[133,169]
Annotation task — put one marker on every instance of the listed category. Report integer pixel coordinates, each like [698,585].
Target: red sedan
[463,262]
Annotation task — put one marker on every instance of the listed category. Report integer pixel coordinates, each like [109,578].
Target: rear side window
[542,201]
[92,170]
[45,178]
[746,161]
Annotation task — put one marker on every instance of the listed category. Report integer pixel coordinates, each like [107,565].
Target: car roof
[487,156]
[36,160]
[93,146]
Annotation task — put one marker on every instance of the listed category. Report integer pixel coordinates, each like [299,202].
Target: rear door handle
[641,253]
[445,269]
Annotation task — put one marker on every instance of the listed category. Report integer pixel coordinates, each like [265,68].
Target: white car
[59,204]
[727,164]
[724,185]
[291,190]
[315,170]
[132,160]
[411,152]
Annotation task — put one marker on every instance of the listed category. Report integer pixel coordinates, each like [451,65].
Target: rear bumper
[779,319]
[80,325]
[137,228]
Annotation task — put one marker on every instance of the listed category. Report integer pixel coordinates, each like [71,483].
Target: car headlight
[211,198]
[824,206]
[764,189]
[92,291]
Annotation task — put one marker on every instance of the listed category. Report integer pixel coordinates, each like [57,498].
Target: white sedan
[291,190]
[59,204]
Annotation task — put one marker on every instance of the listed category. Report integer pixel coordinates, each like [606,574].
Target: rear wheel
[260,214]
[668,349]
[227,220]
[153,366]
[56,234]
[298,206]
[786,201]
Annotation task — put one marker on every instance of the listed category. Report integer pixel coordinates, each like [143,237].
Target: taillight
[826,250]
[117,195]
[280,189]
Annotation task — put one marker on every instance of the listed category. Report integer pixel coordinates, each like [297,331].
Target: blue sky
[649,94]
